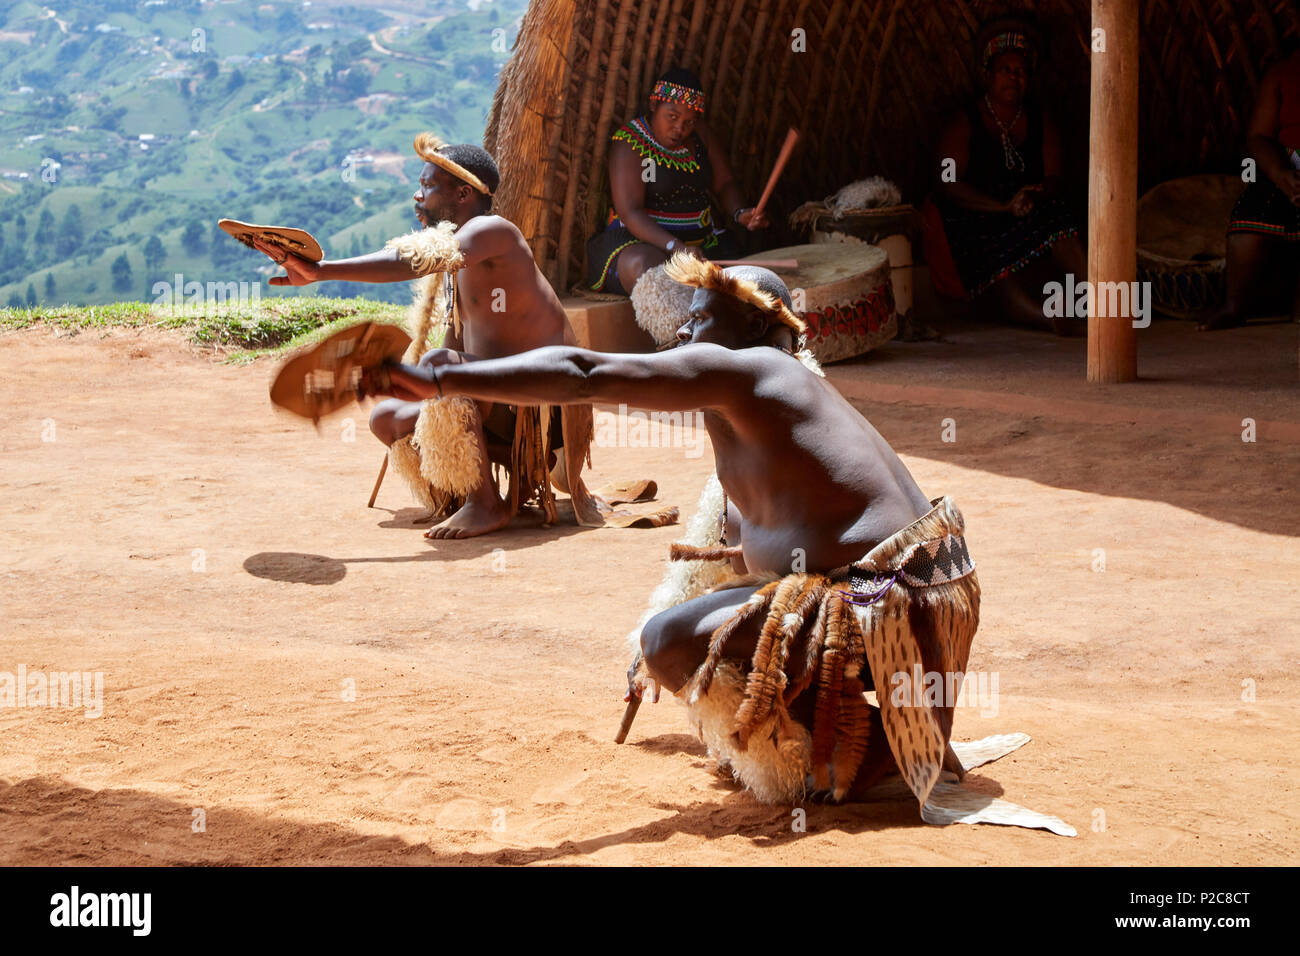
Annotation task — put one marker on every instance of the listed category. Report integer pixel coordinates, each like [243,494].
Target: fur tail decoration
[450,458]
[428,299]
[530,476]
[685,552]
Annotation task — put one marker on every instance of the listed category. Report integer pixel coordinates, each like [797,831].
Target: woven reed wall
[869,94]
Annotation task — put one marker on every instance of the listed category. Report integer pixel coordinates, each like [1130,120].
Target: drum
[843,292]
[1182,242]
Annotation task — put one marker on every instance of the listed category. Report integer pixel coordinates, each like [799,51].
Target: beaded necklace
[637,135]
[1010,155]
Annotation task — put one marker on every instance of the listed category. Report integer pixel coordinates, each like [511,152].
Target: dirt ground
[290,677]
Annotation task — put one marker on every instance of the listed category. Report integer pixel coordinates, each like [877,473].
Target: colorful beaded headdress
[1009,42]
[669,92]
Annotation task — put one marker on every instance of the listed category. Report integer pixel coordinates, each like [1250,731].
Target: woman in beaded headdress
[666,169]
[1005,223]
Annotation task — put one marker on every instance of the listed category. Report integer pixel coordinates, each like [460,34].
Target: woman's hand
[1289,183]
[752,219]
[1022,203]
[300,271]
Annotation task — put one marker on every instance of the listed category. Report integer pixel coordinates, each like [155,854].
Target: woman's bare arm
[627,189]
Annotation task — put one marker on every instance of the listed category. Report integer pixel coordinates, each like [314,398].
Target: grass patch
[242,332]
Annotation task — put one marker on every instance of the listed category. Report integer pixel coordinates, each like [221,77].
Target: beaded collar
[637,135]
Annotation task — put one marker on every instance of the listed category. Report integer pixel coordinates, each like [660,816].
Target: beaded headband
[427,146]
[1009,42]
[666,92]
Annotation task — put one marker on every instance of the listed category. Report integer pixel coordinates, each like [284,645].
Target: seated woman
[662,168]
[1266,220]
[1006,225]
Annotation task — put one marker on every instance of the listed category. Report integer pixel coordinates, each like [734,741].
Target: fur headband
[702,274]
[427,146]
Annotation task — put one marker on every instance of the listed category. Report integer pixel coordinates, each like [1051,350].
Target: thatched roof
[869,94]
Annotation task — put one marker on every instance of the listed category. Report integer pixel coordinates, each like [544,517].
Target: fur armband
[429,250]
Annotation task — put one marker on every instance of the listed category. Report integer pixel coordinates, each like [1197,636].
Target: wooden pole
[1112,189]
[374,493]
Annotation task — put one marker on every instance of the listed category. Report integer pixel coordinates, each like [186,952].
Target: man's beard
[431,217]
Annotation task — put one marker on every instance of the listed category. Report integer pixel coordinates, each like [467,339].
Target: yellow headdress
[427,146]
[739,282]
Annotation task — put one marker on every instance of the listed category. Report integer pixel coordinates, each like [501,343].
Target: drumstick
[765,263]
[628,716]
[778,167]
[383,467]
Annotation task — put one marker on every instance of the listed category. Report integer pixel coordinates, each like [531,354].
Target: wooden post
[1112,187]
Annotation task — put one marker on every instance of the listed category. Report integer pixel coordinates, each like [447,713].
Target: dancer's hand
[300,271]
[639,681]
[395,379]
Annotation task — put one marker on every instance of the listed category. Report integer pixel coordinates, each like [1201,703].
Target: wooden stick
[628,716]
[383,467]
[778,167]
[765,263]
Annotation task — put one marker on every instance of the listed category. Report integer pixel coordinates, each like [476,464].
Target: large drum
[1182,242]
[892,228]
[843,292]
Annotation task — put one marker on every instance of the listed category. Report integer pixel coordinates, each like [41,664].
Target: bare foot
[475,518]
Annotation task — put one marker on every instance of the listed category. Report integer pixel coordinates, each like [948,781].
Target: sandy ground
[217,563]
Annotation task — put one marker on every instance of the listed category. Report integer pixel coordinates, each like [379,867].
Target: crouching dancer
[477,281]
[845,578]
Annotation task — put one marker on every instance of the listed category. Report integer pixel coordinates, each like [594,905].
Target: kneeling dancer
[844,574]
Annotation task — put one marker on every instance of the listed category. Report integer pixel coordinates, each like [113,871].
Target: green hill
[123,122]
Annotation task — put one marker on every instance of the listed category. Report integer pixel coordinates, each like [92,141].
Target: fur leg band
[446,438]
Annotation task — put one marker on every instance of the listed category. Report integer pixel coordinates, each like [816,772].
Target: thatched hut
[868,83]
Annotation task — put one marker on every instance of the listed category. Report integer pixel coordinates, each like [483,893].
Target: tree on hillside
[50,289]
[15,300]
[356,83]
[154,253]
[20,228]
[235,82]
[112,119]
[45,230]
[70,238]
[193,239]
[122,273]
[31,296]
[209,69]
